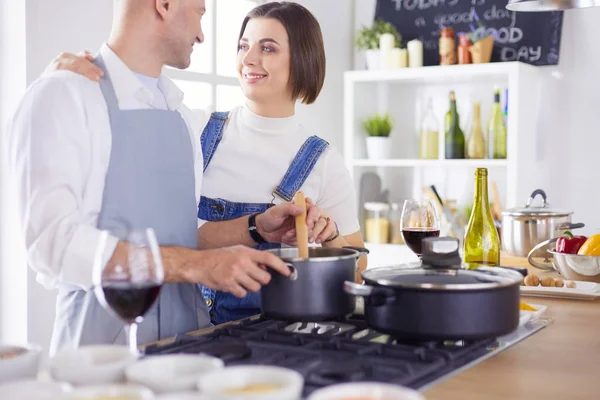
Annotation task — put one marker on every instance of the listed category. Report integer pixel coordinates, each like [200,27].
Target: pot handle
[542,266]
[294,271]
[367,290]
[535,193]
[362,250]
[568,226]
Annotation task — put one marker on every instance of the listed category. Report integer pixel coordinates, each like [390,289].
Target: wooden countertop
[561,361]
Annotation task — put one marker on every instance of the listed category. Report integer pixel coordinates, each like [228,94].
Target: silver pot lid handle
[547,265]
[535,193]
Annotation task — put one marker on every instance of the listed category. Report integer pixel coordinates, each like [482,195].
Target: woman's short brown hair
[307,51]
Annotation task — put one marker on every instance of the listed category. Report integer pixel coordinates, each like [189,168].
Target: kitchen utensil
[525,227]
[452,218]
[367,391]
[19,361]
[116,391]
[315,289]
[441,300]
[301,228]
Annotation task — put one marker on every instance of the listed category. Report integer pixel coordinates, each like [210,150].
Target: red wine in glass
[130,300]
[414,236]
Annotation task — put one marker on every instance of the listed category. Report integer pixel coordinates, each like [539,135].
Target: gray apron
[150,183]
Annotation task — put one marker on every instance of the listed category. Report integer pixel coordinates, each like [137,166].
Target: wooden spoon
[301,228]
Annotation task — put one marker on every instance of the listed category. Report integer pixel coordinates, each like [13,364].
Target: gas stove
[326,353]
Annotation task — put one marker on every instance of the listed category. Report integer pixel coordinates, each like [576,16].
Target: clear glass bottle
[496,140]
[476,142]
[482,244]
[429,137]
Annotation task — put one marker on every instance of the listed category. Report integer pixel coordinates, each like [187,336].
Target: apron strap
[212,135]
[301,167]
[106,85]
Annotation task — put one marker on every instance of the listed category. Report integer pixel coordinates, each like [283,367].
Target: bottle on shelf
[496,140]
[476,142]
[454,139]
[429,135]
[481,245]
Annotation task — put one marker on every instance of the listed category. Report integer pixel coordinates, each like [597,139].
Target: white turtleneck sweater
[254,155]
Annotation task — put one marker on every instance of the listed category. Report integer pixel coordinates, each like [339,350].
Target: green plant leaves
[378,125]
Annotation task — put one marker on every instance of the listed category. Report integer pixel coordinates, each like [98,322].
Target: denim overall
[150,182]
[225,307]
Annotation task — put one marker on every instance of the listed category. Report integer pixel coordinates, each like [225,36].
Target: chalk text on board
[525,53]
[410,5]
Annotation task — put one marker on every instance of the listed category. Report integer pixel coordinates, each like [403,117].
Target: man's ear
[163,7]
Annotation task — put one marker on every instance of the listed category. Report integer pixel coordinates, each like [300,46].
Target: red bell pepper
[569,244]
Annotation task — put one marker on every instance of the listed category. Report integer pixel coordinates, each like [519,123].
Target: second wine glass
[419,221]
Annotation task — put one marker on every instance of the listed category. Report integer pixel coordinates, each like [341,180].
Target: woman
[259,154]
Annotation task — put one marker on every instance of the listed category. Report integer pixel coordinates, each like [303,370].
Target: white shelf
[440,73]
[483,163]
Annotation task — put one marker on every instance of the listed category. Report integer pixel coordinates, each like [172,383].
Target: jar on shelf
[396,224]
[377,223]
[447,47]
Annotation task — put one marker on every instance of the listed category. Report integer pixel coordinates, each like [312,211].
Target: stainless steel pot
[524,227]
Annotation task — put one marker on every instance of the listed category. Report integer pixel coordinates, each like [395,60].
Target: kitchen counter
[562,361]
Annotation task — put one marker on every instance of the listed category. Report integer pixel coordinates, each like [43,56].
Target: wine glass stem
[131,331]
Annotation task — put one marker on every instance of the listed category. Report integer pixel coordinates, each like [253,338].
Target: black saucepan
[315,290]
[440,300]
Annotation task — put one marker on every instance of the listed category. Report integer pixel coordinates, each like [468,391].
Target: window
[210,83]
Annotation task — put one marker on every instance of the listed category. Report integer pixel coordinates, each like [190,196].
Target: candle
[386,42]
[399,58]
[415,53]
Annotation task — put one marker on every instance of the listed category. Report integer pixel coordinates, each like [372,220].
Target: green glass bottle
[481,245]
[496,139]
[455,138]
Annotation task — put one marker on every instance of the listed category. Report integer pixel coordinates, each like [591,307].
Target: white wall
[13,273]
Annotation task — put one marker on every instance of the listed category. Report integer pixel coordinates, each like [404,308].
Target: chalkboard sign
[532,38]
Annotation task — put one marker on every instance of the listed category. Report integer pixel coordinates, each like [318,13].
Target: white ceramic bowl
[172,373]
[24,362]
[226,384]
[183,396]
[91,365]
[365,390]
[34,390]
[117,391]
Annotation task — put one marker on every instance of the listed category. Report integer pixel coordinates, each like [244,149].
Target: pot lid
[442,270]
[545,210]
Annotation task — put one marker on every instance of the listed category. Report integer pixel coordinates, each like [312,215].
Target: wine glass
[419,221]
[129,284]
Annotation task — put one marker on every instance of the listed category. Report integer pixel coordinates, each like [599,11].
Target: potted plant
[378,128]
[368,40]
[483,44]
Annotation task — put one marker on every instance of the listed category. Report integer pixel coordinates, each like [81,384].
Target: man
[126,151]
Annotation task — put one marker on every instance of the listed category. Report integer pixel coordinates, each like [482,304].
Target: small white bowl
[183,396]
[24,362]
[172,373]
[92,365]
[34,390]
[120,392]
[366,390]
[286,384]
